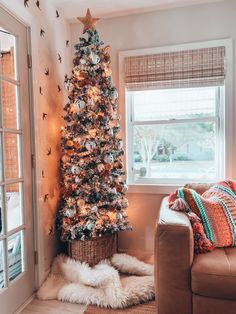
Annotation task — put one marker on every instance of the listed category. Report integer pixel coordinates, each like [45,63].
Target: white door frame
[32,55]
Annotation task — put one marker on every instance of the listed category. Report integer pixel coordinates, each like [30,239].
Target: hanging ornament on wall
[42,32]
[49,152]
[50,230]
[46,72]
[67,43]
[57,14]
[40,90]
[58,88]
[38,4]
[43,175]
[46,197]
[59,57]
[44,116]
[26,3]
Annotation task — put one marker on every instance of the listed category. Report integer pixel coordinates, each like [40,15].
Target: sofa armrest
[174,250]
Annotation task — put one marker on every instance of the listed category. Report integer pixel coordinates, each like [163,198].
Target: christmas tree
[93,184]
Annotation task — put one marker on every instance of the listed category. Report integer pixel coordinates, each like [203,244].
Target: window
[178,113]
[174,135]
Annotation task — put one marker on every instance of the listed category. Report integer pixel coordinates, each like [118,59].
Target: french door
[16,213]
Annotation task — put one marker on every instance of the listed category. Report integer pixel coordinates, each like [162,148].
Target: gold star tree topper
[88,21]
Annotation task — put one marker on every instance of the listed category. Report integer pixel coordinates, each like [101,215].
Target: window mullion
[174,121]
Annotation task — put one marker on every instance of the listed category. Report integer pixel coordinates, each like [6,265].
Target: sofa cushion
[214,274]
[216,207]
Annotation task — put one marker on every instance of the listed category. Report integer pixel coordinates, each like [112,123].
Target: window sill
[152,188]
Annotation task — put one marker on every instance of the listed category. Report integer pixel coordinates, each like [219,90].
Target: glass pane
[182,103]
[14,205]
[15,255]
[1,211]
[1,163]
[12,149]
[8,54]
[1,265]
[175,151]
[10,105]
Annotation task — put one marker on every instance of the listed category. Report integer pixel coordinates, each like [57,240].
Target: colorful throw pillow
[217,209]
[201,243]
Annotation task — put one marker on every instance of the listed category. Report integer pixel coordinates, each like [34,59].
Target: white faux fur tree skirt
[102,285]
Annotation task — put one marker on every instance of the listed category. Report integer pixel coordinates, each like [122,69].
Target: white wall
[47,132]
[161,28]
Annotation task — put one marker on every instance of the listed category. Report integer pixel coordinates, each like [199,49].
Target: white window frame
[225,127]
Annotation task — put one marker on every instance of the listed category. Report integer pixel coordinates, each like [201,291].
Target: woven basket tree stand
[93,250]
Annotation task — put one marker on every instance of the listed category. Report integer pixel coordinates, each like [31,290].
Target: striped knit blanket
[216,209]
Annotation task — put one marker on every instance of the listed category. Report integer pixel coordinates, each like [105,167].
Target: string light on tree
[93,183]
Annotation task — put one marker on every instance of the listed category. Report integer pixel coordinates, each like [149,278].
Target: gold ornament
[69,143]
[92,132]
[65,158]
[88,21]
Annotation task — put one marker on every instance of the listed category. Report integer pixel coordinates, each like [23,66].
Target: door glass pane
[1,211]
[14,205]
[1,163]
[12,149]
[1,265]
[14,245]
[8,54]
[175,151]
[10,105]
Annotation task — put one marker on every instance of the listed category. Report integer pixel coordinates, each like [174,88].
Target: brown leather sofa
[188,283]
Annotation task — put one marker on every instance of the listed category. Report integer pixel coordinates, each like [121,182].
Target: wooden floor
[145,308]
[53,307]
[57,307]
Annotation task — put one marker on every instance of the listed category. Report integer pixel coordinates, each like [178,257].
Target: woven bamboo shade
[188,68]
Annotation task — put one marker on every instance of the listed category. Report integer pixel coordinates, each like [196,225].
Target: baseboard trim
[21,308]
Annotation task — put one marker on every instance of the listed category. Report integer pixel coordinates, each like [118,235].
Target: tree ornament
[109,158]
[92,132]
[75,169]
[65,158]
[90,145]
[100,167]
[119,216]
[88,21]
[94,209]
[77,179]
[70,212]
[113,93]
[83,61]
[70,201]
[124,203]
[90,225]
[119,144]
[81,203]
[94,58]
[78,105]
[69,143]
